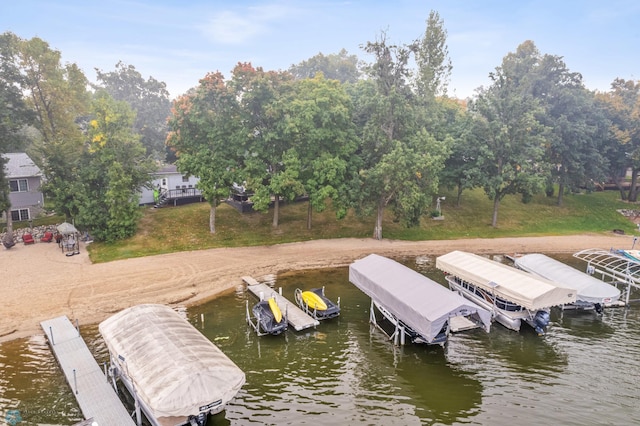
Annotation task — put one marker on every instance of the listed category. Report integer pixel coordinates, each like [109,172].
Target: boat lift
[256,325]
[334,308]
[614,265]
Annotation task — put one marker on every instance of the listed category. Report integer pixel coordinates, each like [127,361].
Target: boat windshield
[499,302]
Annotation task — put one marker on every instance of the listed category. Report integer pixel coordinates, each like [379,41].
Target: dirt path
[39,282]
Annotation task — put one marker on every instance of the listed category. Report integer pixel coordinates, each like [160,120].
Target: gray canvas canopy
[509,283]
[66,228]
[419,302]
[174,368]
[589,289]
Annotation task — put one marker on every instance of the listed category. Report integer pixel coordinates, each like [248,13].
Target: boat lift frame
[610,263]
[305,308]
[256,325]
[399,334]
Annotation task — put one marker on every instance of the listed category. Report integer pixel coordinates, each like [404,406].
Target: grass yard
[183,228]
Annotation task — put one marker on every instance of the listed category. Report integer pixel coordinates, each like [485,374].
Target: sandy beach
[39,282]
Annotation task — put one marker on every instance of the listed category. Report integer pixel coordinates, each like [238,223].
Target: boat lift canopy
[589,289]
[176,370]
[419,302]
[504,281]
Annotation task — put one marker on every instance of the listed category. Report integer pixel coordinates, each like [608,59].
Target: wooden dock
[96,397]
[296,317]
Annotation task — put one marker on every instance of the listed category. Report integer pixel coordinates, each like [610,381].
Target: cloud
[239,26]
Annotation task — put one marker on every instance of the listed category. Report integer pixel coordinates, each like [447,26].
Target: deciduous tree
[113,169]
[148,98]
[512,144]
[205,133]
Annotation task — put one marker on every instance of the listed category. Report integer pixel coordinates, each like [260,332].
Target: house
[173,187]
[25,178]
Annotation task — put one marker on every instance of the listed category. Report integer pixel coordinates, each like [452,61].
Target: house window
[185,178]
[20,215]
[19,185]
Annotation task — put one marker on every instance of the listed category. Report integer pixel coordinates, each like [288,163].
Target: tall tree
[573,125]
[205,135]
[148,98]
[341,66]
[270,165]
[58,96]
[14,115]
[112,171]
[512,143]
[623,109]
[432,59]
[317,121]
[400,159]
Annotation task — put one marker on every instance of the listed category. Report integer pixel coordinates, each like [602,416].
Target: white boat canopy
[174,368]
[419,302]
[504,281]
[589,289]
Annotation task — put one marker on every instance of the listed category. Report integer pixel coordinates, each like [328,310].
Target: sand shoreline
[40,282]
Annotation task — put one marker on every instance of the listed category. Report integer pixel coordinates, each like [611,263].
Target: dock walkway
[96,398]
[296,317]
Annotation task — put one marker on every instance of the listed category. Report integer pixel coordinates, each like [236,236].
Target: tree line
[353,135]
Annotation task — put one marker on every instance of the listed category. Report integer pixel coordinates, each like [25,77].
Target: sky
[179,42]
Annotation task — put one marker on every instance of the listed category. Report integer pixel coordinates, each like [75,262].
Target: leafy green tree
[58,97]
[148,98]
[341,66]
[112,171]
[317,121]
[401,160]
[622,105]
[14,115]
[269,163]
[432,59]
[573,125]
[461,169]
[512,140]
[205,134]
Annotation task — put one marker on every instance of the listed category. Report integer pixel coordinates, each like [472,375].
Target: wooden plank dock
[96,397]
[296,317]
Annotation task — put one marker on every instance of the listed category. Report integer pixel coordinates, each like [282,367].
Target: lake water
[583,371]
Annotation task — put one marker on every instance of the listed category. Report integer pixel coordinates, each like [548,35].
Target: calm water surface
[583,371]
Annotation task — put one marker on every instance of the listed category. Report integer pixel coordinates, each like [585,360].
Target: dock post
[51,334]
[75,381]
[137,404]
[78,326]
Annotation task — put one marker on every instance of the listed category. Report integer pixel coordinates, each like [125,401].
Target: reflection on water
[583,371]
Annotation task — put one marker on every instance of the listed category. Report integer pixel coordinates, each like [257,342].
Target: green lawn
[172,229]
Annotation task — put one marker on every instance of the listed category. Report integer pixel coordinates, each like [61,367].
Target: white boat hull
[510,319]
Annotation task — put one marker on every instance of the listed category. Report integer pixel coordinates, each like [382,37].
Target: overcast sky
[178,42]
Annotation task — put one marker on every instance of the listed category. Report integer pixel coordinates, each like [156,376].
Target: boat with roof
[417,307]
[511,295]
[591,293]
[175,374]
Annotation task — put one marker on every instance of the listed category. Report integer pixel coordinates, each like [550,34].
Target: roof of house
[20,165]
